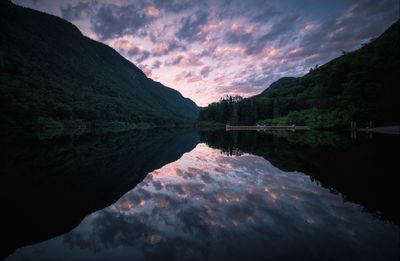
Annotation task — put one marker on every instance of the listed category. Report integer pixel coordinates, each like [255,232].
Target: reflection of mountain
[48,186]
[211,206]
[363,169]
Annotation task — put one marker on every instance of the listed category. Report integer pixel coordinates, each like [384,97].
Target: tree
[276,108]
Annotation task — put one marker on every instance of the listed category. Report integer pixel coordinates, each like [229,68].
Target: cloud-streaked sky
[210,48]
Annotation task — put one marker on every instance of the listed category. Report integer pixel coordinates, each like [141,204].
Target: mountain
[51,73]
[357,86]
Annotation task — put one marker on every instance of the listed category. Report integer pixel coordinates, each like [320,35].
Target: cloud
[177,6]
[372,8]
[164,48]
[178,78]
[74,12]
[240,34]
[185,60]
[254,83]
[191,26]
[225,52]
[139,54]
[361,22]
[32,2]
[188,76]
[156,64]
[194,79]
[174,60]
[191,60]
[281,27]
[113,21]
[146,69]
[142,55]
[153,11]
[245,44]
[205,71]
[220,79]
[127,48]
[265,14]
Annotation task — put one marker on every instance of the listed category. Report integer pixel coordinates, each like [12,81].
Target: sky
[207,49]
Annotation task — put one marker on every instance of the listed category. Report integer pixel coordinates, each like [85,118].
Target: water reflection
[50,185]
[363,170]
[212,206]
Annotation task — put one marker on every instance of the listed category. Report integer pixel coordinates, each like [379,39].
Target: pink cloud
[195,78]
[145,69]
[185,60]
[161,49]
[309,27]
[191,60]
[153,11]
[212,26]
[221,52]
[219,79]
[189,76]
[178,78]
[174,60]
[123,45]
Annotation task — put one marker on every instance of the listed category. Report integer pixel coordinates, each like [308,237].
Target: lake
[200,195]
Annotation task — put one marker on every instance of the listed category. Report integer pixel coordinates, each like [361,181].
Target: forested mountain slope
[50,71]
[358,86]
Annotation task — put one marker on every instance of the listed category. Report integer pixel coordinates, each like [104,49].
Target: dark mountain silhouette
[51,74]
[359,85]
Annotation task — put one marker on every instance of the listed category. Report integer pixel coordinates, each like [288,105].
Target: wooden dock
[267,128]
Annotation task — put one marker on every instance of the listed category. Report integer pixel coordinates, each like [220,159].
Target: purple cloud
[207,49]
[156,64]
[113,21]
[205,71]
[191,26]
[74,12]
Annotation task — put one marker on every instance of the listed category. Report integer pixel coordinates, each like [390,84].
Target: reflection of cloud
[227,207]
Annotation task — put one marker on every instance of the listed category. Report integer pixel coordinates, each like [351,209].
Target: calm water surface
[222,202]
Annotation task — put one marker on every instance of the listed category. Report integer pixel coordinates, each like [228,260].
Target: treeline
[270,111]
[357,86]
[230,109]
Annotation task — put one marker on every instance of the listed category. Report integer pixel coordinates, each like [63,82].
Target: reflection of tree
[192,220]
[69,177]
[232,152]
[353,168]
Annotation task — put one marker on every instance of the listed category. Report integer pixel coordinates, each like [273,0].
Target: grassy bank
[314,118]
